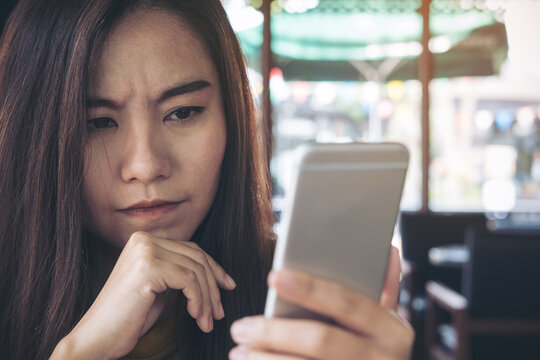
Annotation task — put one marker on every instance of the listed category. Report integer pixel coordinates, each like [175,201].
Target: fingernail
[221,311]
[202,324]
[229,281]
[241,329]
[205,324]
[238,353]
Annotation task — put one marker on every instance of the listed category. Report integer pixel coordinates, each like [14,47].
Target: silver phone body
[338,219]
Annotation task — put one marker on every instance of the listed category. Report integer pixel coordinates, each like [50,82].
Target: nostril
[145,169]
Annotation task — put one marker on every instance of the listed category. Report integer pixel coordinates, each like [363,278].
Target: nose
[145,157]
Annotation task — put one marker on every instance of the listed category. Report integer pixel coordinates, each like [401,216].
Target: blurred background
[343,70]
[457,82]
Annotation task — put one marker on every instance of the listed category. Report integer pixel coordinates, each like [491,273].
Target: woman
[135,199]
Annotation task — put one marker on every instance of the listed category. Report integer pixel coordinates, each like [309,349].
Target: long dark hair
[46,52]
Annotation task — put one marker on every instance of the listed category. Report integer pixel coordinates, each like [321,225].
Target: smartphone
[338,218]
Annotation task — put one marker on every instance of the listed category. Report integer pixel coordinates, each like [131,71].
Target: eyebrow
[177,90]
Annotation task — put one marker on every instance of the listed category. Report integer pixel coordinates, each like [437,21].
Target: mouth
[150,209]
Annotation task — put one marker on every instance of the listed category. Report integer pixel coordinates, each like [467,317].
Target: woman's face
[157,131]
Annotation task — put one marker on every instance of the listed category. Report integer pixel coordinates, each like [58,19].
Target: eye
[185,113]
[100,123]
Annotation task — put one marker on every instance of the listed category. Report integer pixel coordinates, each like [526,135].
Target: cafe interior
[457,83]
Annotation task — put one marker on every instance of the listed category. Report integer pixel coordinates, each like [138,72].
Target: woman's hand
[133,296]
[368,330]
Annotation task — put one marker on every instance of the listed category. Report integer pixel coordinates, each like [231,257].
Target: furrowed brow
[99,102]
[177,90]
[183,89]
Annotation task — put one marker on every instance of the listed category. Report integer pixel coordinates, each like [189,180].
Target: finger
[175,270]
[348,308]
[223,279]
[182,278]
[390,292]
[194,251]
[215,296]
[205,275]
[304,338]
[246,353]
[204,319]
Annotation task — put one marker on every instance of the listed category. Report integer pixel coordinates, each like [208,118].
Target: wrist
[63,350]
[70,348]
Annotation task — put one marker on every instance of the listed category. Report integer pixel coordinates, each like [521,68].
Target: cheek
[217,151]
[209,160]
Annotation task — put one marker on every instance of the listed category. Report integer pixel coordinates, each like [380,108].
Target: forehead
[150,49]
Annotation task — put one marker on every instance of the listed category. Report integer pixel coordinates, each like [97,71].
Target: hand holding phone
[339,218]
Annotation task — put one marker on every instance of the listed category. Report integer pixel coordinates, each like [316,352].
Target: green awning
[338,32]
[321,36]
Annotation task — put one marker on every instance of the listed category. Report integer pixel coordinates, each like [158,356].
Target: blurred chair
[421,231]
[497,314]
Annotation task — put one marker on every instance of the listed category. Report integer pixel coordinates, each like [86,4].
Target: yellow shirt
[157,344]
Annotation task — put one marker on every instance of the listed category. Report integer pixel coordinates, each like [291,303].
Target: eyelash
[185,119]
[92,124]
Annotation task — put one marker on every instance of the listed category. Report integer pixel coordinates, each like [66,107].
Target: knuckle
[141,243]
[200,256]
[216,299]
[138,236]
[194,297]
[151,287]
[145,251]
[200,269]
[347,304]
[194,245]
[144,264]
[190,275]
[370,318]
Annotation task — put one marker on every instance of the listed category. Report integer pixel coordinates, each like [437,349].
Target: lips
[151,209]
